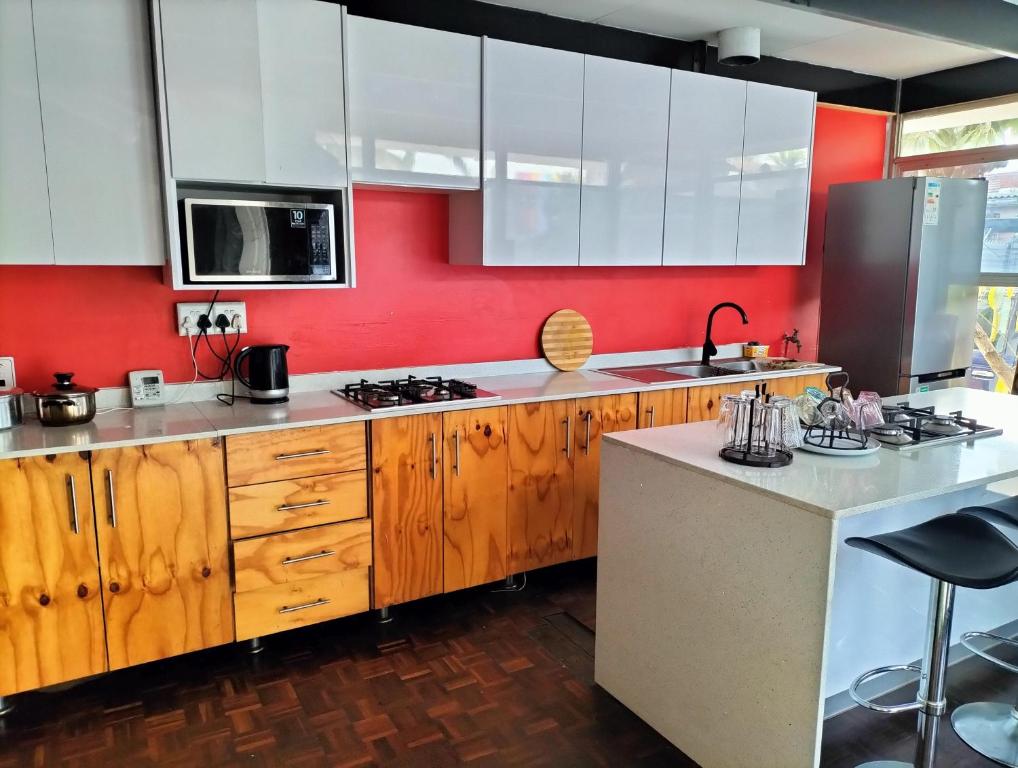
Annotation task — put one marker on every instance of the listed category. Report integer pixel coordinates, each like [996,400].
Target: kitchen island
[729,611]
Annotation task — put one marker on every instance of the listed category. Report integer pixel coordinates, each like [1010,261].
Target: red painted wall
[411,307]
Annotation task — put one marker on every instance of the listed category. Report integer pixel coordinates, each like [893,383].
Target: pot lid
[64,386]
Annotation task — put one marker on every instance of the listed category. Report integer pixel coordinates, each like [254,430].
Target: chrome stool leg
[931,703]
[990,728]
[6,705]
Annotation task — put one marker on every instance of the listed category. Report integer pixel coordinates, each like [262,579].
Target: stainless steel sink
[700,371]
[747,366]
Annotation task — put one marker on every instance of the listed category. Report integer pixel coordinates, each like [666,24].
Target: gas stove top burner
[943,424]
[411,391]
[909,427]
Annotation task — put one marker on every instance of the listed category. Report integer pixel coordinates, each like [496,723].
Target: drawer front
[286,606]
[288,504]
[286,558]
[263,457]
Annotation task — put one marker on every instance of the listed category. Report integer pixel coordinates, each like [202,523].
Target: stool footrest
[890,709]
[968,638]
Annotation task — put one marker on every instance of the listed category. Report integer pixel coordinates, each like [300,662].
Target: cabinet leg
[6,705]
[255,646]
[384,616]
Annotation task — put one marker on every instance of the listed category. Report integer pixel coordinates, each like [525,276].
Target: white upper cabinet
[25,235]
[776,161]
[415,105]
[704,169]
[213,89]
[533,128]
[301,58]
[254,91]
[625,152]
[95,81]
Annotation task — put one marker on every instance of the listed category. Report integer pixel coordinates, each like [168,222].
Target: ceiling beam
[988,24]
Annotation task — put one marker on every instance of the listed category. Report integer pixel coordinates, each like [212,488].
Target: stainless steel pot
[11,414]
[66,403]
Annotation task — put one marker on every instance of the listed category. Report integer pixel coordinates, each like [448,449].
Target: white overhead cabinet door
[95,81]
[415,105]
[625,152]
[533,127]
[301,63]
[254,91]
[704,169]
[25,235]
[776,162]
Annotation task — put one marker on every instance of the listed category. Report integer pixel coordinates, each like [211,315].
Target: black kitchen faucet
[709,348]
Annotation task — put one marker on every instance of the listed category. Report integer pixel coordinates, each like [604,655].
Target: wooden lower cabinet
[406,481]
[595,416]
[51,620]
[163,549]
[475,490]
[662,407]
[705,401]
[541,456]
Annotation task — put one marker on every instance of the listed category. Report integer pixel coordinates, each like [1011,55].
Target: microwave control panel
[147,388]
[321,248]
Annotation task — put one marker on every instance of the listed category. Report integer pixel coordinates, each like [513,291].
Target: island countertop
[836,487]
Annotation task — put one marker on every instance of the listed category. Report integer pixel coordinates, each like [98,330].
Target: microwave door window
[229,241]
[253,258]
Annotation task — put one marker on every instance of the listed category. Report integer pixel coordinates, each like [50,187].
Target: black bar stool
[989,727]
[954,550]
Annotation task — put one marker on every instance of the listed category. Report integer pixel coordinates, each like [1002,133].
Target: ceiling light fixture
[739,46]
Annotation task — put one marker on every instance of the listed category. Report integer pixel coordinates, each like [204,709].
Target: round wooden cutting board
[567,340]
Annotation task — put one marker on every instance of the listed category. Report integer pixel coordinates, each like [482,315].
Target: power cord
[194,380]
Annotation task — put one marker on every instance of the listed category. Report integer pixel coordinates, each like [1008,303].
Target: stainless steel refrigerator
[901,281]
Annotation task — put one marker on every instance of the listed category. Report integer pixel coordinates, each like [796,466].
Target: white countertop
[206,419]
[836,487]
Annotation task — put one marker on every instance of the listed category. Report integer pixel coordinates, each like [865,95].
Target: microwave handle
[236,367]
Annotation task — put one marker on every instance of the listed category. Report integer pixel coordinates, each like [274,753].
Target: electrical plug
[204,323]
[222,322]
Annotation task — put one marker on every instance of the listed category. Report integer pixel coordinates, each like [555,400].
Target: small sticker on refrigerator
[931,205]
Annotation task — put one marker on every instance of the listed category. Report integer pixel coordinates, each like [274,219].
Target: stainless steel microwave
[260,241]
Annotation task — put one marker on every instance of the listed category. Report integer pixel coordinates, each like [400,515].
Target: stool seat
[1003,512]
[963,550]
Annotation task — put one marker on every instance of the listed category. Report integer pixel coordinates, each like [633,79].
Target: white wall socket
[188,314]
[7,378]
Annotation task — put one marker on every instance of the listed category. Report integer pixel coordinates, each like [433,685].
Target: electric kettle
[266,376]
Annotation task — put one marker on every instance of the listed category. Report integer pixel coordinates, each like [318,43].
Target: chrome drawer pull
[288,507]
[305,558]
[302,455]
[302,606]
[112,494]
[72,493]
[650,412]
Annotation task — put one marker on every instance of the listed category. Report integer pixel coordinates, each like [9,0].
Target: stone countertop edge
[207,411]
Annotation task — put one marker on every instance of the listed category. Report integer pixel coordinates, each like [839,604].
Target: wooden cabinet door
[476,488]
[662,408]
[705,401]
[406,477]
[51,621]
[163,549]
[595,416]
[540,484]
[818,380]
[789,386]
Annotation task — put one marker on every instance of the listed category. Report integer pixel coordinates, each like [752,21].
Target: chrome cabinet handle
[650,411]
[586,442]
[305,505]
[302,455]
[569,436]
[303,606]
[305,558]
[456,443]
[72,494]
[111,493]
[434,455]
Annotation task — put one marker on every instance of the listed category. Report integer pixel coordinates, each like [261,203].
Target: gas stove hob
[906,428]
[411,392]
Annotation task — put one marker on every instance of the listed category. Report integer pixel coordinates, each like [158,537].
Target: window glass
[993,358]
[991,125]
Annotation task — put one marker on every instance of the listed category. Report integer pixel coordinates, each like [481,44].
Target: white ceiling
[785,32]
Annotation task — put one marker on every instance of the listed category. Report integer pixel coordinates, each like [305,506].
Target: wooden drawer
[309,601]
[287,504]
[289,557]
[262,457]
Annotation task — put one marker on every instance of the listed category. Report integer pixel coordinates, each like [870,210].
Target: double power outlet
[188,316]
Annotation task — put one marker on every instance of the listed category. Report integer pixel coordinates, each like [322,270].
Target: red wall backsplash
[412,308]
